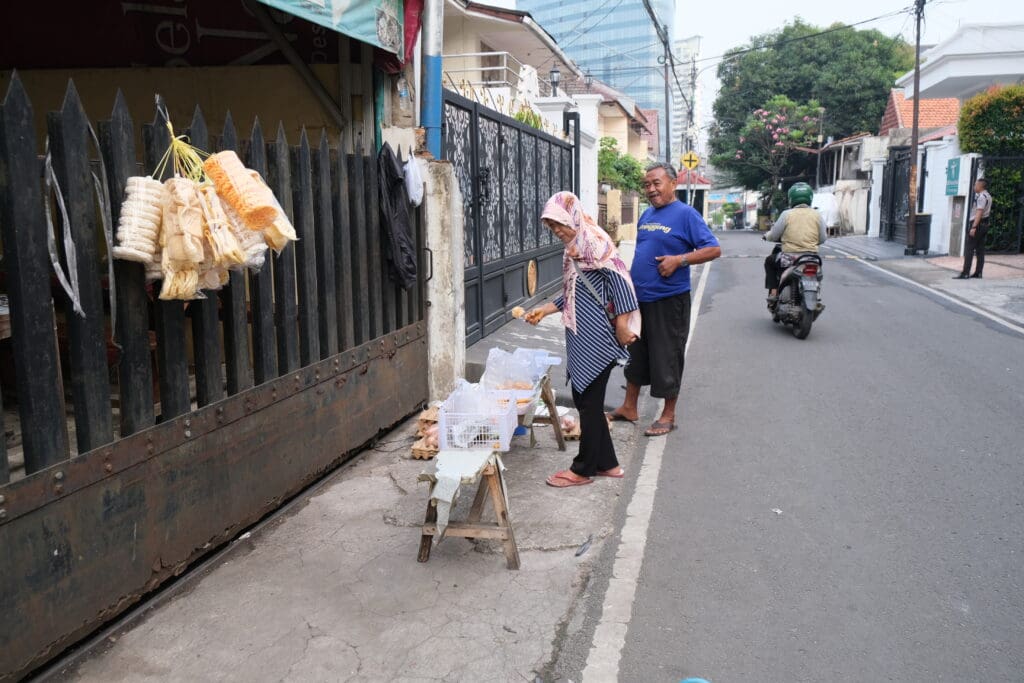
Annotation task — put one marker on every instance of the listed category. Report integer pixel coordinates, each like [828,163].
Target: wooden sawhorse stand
[490,484]
[548,397]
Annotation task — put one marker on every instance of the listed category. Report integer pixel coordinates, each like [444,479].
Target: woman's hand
[623,334]
[536,315]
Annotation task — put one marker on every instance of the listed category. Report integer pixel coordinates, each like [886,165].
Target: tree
[850,72]
[618,170]
[992,124]
[767,144]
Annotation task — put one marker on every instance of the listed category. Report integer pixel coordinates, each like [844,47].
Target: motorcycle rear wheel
[803,328]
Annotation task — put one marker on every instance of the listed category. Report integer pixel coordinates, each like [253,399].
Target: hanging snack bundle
[210,217]
[221,240]
[242,190]
[181,239]
[138,228]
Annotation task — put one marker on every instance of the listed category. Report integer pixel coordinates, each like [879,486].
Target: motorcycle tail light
[810,269]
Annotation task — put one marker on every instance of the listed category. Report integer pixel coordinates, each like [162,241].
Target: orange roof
[685,176]
[934,113]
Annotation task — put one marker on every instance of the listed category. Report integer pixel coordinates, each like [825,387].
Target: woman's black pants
[597,452]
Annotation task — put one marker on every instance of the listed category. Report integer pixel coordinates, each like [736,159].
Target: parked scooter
[799,303]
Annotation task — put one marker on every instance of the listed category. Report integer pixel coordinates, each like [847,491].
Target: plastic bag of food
[242,190]
[251,242]
[138,227]
[181,239]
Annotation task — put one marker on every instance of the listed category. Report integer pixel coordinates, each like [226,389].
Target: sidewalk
[1000,293]
[331,589]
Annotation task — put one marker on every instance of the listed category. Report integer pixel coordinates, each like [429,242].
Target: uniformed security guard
[975,242]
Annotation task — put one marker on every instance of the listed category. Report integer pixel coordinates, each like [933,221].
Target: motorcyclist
[800,229]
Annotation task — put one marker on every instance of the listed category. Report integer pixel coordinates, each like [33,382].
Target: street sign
[953,177]
[691,160]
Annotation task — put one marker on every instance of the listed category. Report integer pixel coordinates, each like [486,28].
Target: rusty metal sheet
[84,540]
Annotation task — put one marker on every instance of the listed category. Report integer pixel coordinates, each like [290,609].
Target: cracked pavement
[332,591]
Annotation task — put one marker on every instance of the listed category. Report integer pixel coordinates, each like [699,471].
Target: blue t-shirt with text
[673,229]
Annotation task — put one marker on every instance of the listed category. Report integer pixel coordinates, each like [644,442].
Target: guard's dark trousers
[975,245]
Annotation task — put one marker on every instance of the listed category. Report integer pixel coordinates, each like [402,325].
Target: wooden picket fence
[281,359]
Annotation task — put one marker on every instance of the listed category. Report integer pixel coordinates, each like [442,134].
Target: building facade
[619,46]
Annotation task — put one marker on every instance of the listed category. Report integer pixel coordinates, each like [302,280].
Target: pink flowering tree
[772,145]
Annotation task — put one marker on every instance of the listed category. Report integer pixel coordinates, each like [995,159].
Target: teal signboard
[953,177]
[375,22]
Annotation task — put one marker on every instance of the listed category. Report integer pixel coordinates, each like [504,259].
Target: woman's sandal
[567,478]
[612,474]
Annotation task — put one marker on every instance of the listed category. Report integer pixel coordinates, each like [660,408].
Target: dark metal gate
[895,204]
[135,459]
[1005,176]
[506,171]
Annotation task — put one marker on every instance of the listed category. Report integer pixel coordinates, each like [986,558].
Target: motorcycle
[799,301]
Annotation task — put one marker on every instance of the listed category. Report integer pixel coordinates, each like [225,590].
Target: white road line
[942,295]
[610,636]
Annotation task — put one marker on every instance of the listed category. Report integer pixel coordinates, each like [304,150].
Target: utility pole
[668,102]
[821,141]
[912,190]
[689,124]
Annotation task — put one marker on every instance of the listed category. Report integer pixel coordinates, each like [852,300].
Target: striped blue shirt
[593,347]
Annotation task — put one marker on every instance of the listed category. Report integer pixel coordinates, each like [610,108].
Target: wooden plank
[205,312]
[87,340]
[5,468]
[305,252]
[33,335]
[466,530]
[402,296]
[135,367]
[500,504]
[323,216]
[170,499]
[172,363]
[233,304]
[360,261]
[261,284]
[279,175]
[376,269]
[343,249]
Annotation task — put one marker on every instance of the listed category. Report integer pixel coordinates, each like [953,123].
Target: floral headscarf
[594,250]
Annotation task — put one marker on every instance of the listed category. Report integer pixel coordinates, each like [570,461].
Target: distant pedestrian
[975,243]
[599,311]
[671,237]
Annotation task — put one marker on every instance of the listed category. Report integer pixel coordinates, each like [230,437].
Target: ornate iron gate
[1005,176]
[895,208]
[506,171]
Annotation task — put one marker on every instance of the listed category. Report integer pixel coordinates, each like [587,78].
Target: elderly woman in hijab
[601,317]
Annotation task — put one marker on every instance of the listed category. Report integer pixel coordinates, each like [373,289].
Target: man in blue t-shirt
[671,237]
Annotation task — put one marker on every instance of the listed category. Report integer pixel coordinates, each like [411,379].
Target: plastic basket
[490,430]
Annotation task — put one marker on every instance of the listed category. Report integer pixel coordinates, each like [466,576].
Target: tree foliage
[849,72]
[992,124]
[618,170]
[768,143]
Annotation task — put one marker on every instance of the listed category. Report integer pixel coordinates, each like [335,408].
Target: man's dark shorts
[656,359]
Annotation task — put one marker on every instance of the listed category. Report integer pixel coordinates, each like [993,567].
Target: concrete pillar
[877,175]
[446,292]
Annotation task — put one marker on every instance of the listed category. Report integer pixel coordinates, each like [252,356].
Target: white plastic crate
[491,429]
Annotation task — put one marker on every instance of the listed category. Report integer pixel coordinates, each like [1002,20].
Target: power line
[736,53]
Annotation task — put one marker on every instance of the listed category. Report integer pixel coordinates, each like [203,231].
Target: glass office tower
[615,40]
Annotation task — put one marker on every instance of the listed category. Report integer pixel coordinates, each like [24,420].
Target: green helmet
[801,193]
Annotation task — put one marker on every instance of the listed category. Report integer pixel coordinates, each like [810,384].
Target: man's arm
[775,234]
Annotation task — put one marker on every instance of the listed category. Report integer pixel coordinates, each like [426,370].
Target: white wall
[877,175]
[936,202]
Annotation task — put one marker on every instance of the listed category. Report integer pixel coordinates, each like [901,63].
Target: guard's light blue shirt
[673,229]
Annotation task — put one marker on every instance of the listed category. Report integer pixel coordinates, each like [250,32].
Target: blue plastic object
[694,680]
[521,430]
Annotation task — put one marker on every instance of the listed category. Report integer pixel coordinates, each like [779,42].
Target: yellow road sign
[691,160]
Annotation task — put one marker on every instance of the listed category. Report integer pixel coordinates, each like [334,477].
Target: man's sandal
[659,428]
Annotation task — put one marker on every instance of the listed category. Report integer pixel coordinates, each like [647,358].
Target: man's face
[659,187]
[979,186]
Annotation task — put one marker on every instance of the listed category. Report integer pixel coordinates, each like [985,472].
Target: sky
[724,24]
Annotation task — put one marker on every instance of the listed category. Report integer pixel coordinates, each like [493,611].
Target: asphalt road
[844,508]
